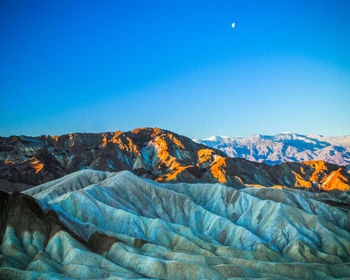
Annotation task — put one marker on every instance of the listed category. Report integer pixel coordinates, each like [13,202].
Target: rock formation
[156,154]
[95,225]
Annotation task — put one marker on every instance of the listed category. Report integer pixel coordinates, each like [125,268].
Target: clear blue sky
[91,66]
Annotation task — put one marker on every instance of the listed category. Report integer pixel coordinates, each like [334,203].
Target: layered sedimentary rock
[94,224]
[156,154]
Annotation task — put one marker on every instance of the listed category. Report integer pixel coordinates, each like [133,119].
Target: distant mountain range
[284,147]
[152,153]
[152,204]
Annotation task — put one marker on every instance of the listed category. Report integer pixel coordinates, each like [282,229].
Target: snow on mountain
[284,147]
[160,155]
[94,224]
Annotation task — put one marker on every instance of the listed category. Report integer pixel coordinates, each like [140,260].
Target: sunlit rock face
[282,147]
[94,225]
[155,154]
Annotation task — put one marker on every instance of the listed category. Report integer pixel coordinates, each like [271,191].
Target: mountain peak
[162,156]
[285,147]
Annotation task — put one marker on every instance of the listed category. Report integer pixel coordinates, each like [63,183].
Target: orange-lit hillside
[156,154]
[219,170]
[321,175]
[36,164]
[337,180]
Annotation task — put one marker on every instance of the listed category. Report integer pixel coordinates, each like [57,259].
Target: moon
[233,24]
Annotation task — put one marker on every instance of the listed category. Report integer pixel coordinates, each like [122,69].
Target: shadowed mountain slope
[156,154]
[94,224]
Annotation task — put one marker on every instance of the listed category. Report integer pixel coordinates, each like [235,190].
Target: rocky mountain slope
[156,154]
[284,147]
[104,225]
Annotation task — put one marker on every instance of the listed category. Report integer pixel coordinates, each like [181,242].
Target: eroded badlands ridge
[156,154]
[94,224]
